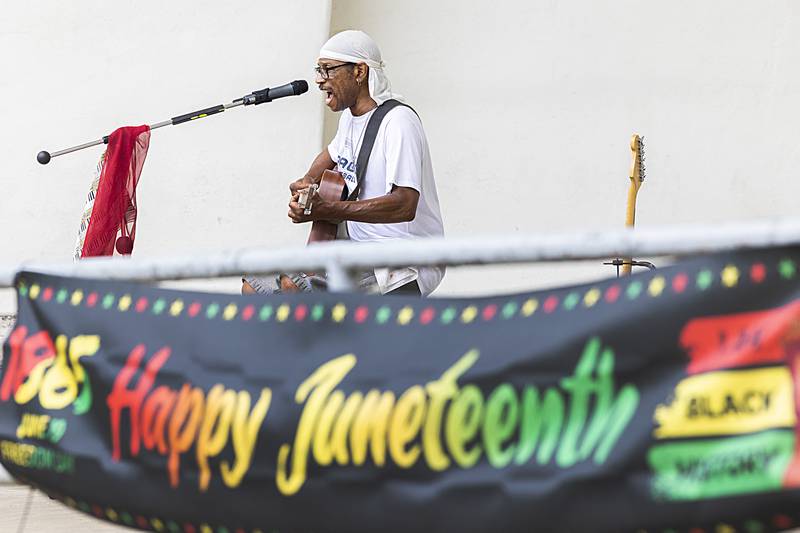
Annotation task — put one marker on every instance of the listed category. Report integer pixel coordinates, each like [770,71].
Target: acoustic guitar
[637,178]
[331,188]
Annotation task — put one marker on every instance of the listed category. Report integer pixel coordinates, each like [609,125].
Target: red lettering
[122,397]
[35,349]
[12,366]
[154,418]
[183,427]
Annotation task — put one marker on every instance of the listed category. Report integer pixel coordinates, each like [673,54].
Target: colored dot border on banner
[421,312]
[163,524]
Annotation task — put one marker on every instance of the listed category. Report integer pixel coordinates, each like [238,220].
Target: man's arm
[321,163]
[400,205]
[403,152]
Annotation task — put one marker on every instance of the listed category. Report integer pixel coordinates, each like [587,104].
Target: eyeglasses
[324,71]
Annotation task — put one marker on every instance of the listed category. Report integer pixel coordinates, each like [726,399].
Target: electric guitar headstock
[637,173]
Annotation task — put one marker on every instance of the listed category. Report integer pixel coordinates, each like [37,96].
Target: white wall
[529,107]
[71,72]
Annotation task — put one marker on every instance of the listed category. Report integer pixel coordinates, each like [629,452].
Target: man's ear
[362,72]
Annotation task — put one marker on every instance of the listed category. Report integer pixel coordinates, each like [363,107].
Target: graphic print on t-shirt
[348,170]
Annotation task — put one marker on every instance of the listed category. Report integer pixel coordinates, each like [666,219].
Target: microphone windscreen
[300,86]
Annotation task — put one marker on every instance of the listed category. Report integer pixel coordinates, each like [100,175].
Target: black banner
[665,401]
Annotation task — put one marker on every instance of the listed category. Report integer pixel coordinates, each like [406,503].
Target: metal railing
[341,259]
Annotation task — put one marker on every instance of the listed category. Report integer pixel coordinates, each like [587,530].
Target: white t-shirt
[400,156]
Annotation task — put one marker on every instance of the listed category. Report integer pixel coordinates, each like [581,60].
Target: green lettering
[463,422]
[502,414]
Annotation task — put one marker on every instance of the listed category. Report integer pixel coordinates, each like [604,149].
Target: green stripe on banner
[712,468]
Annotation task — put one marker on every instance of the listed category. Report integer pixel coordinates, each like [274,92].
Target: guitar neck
[630,220]
[630,213]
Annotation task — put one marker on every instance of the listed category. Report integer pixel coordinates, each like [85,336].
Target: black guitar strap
[369,140]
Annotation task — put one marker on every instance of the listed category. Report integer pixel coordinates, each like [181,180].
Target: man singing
[397,196]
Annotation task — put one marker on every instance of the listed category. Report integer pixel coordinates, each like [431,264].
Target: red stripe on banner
[743,339]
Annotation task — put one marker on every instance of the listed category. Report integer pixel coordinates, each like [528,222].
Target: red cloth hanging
[112,226]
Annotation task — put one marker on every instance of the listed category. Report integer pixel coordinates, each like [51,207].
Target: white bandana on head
[355,46]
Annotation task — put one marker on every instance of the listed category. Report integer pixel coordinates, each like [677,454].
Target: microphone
[268,95]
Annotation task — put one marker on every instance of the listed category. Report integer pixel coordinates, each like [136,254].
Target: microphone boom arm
[256,97]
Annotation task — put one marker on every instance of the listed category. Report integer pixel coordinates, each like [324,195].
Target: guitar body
[331,188]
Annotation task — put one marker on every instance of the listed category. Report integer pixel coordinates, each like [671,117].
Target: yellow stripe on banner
[728,402]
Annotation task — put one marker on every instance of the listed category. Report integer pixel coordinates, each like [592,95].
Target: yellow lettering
[322,448]
[59,388]
[342,427]
[213,435]
[245,434]
[463,423]
[405,424]
[316,388]
[82,346]
[30,388]
[440,392]
[19,454]
[370,426]
[33,426]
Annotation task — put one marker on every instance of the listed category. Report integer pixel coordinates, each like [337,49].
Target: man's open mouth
[328,95]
